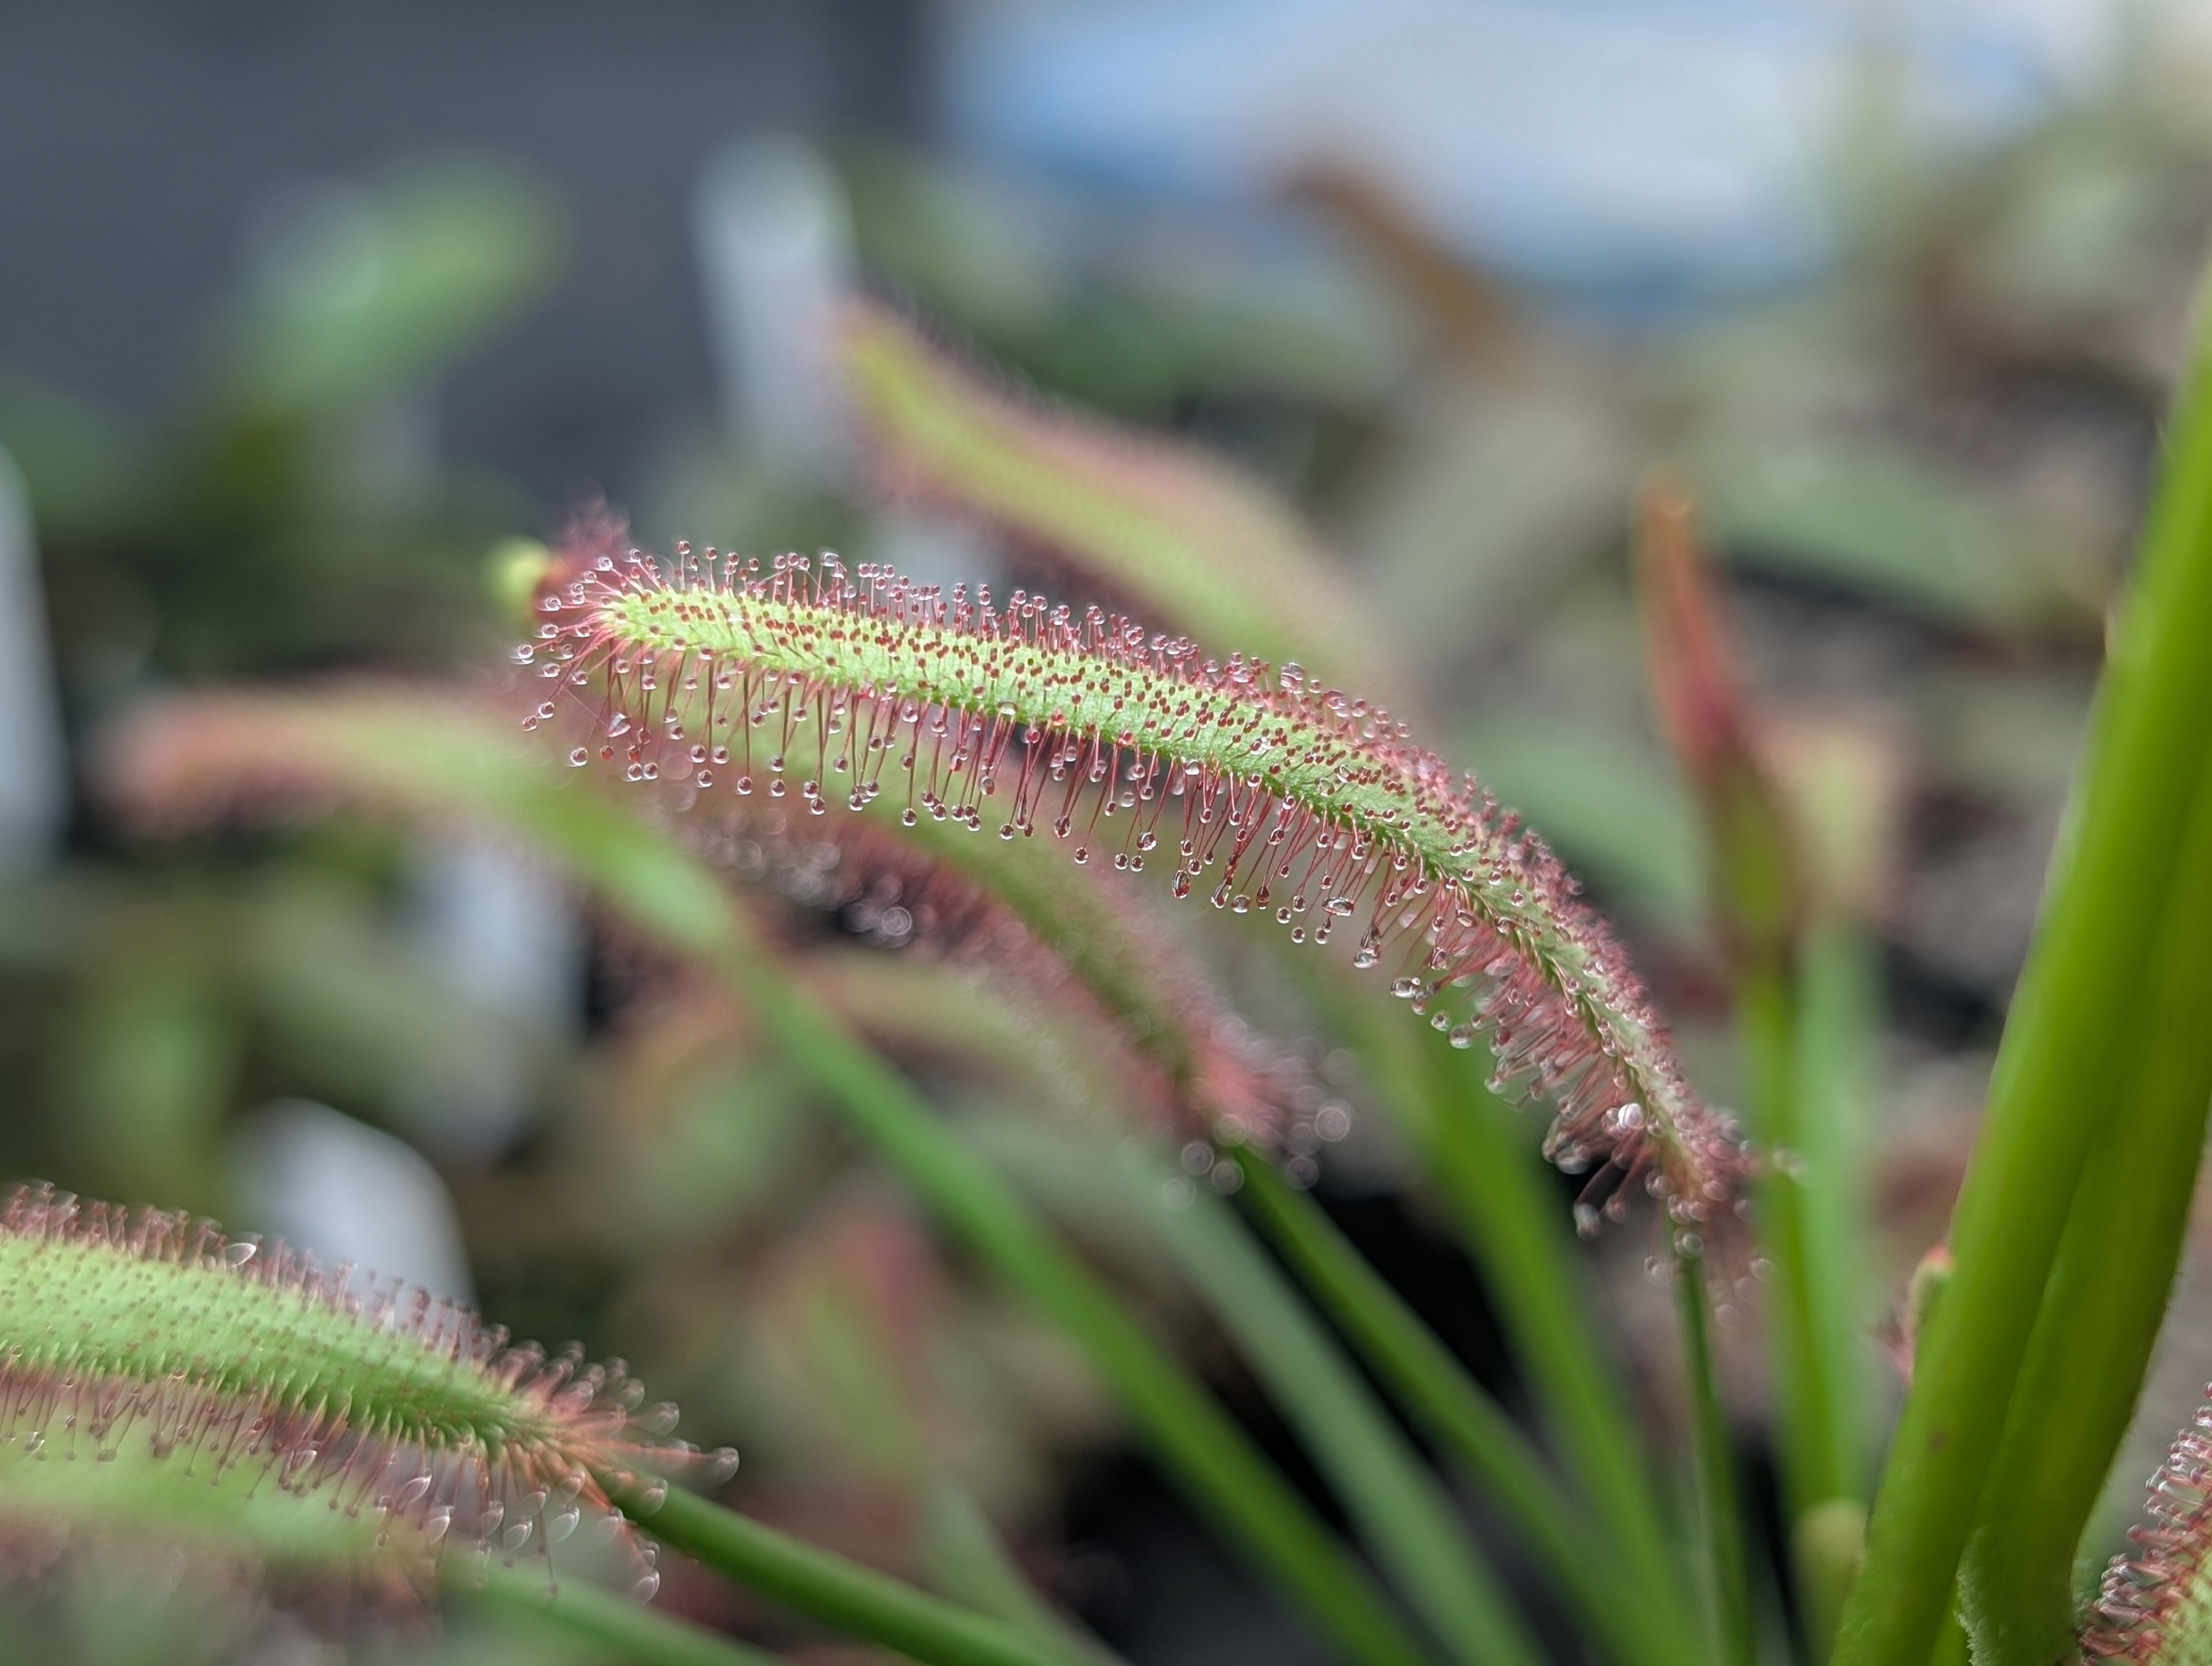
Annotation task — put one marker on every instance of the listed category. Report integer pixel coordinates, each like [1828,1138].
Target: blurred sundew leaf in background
[294,510]
[1875,521]
[1196,546]
[1134,313]
[359,294]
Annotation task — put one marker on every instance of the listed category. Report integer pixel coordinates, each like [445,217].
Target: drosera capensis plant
[1313,807]
[1311,804]
[779,692]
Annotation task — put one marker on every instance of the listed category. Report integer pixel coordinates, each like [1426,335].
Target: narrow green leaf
[1401,1513]
[1736,1642]
[1510,1222]
[1453,1408]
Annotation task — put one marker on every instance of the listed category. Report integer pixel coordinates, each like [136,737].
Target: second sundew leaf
[2155,1606]
[1148,520]
[1020,908]
[1281,797]
[152,1332]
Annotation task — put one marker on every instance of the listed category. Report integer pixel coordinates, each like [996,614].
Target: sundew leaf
[2155,1606]
[1077,938]
[244,1366]
[1286,797]
[1188,536]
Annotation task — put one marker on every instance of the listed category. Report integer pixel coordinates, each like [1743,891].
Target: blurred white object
[34,776]
[1692,146]
[775,243]
[503,935]
[498,924]
[344,1192]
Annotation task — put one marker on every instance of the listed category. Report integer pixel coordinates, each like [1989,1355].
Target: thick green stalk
[1951,1644]
[2066,1043]
[1735,1643]
[856,1600]
[2107,1294]
[1452,1407]
[632,1632]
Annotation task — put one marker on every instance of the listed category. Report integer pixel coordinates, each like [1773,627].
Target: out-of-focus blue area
[1683,148]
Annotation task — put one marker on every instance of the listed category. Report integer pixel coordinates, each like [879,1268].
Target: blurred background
[306,307]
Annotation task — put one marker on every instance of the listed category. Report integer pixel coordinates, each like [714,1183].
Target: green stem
[1767,1024]
[1450,1406]
[630,1630]
[855,1600]
[1837,1047]
[2107,1294]
[1736,1643]
[2067,1042]
[1835,1043]
[1804,1034]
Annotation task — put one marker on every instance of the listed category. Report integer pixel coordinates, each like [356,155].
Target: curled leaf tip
[151,1334]
[806,681]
